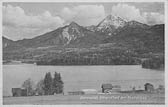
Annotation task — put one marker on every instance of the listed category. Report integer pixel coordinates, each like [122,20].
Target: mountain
[110,24]
[139,37]
[9,44]
[112,38]
[92,28]
[6,42]
[136,24]
[64,36]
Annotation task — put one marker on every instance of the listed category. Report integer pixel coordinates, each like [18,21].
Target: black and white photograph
[83,53]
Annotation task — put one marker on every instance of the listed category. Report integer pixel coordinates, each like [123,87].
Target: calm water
[83,77]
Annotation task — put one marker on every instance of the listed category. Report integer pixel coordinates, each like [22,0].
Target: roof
[107,86]
[16,88]
[116,86]
[148,84]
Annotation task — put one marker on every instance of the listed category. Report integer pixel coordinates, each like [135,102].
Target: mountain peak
[110,24]
[113,20]
[108,17]
[113,17]
[73,24]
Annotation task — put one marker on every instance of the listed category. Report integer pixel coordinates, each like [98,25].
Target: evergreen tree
[48,84]
[60,84]
[57,83]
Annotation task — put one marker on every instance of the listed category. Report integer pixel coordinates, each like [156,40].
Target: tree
[60,84]
[40,87]
[57,83]
[48,84]
[28,85]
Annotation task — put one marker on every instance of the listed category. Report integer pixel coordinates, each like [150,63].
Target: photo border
[57,1]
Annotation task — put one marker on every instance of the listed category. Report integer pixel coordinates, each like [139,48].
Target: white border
[1,82]
[166,51]
[84,1]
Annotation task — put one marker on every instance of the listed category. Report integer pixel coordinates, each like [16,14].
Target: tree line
[154,63]
[90,61]
[46,86]
[106,57]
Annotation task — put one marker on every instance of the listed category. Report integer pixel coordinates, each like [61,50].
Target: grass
[124,98]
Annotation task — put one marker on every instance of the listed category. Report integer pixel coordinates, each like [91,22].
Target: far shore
[19,63]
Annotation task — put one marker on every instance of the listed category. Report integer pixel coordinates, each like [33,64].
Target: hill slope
[10,44]
[64,36]
[140,37]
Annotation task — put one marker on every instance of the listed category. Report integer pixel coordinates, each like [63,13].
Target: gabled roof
[148,84]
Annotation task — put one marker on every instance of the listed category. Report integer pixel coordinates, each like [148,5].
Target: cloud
[154,18]
[15,16]
[127,12]
[130,12]
[17,24]
[28,24]
[21,33]
[84,14]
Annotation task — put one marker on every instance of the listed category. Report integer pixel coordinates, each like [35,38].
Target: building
[16,92]
[106,88]
[76,93]
[160,89]
[149,87]
[24,92]
[89,91]
[116,88]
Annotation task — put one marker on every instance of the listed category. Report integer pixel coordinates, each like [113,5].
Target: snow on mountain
[92,28]
[110,24]
[112,21]
[72,32]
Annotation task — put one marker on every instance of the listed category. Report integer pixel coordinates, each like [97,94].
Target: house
[149,87]
[106,87]
[161,89]
[116,88]
[16,92]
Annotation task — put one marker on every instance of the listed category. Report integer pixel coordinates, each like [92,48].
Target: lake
[83,77]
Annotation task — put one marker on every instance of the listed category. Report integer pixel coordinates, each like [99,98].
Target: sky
[27,20]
